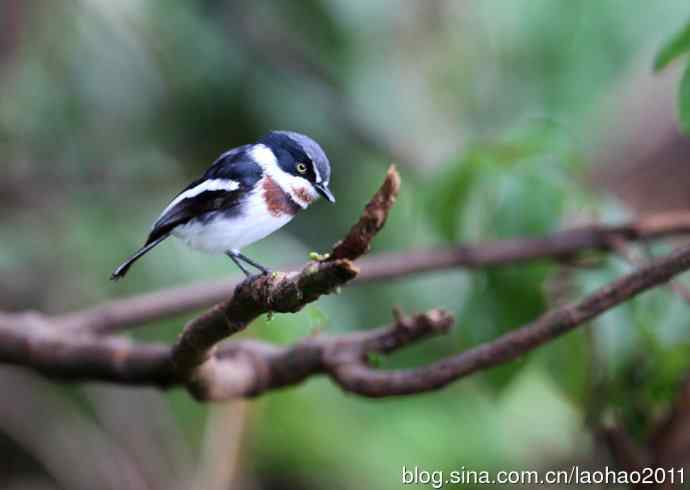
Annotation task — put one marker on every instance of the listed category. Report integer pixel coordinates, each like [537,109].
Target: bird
[248,193]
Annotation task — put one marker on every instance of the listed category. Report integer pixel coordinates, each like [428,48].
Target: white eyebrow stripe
[205,186]
[316,172]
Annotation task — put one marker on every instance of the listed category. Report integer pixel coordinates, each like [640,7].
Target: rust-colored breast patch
[278,202]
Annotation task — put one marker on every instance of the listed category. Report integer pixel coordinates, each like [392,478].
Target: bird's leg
[249,261]
[234,258]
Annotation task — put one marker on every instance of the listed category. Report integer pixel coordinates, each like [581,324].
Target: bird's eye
[301,168]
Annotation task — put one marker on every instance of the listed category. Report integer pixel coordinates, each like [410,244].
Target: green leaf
[450,192]
[676,46]
[684,101]
[477,191]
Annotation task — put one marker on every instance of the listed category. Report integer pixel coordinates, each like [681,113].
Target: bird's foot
[238,258]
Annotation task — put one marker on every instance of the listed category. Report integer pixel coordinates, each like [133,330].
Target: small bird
[248,193]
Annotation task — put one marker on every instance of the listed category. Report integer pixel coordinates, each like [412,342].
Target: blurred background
[506,118]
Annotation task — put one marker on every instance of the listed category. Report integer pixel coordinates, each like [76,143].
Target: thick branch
[124,313]
[252,368]
[282,293]
[32,341]
[244,368]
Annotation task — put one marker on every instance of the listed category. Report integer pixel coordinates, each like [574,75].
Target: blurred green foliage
[684,100]
[107,109]
[677,46]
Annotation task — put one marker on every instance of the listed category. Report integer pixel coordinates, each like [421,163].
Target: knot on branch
[434,321]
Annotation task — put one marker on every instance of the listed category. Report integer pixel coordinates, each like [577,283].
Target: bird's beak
[325,192]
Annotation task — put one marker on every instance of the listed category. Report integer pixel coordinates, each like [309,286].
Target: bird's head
[297,163]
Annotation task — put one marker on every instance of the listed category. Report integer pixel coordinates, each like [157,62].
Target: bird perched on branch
[248,193]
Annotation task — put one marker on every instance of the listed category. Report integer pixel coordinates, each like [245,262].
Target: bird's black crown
[292,148]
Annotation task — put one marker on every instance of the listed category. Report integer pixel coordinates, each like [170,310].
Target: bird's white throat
[300,190]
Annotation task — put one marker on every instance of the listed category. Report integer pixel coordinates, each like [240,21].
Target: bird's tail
[120,272]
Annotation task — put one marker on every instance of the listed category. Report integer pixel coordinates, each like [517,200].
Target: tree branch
[30,340]
[362,379]
[282,293]
[251,368]
[125,313]
[243,368]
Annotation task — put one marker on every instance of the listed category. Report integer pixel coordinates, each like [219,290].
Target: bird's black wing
[222,187]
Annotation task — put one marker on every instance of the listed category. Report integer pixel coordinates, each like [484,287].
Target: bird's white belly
[222,233]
